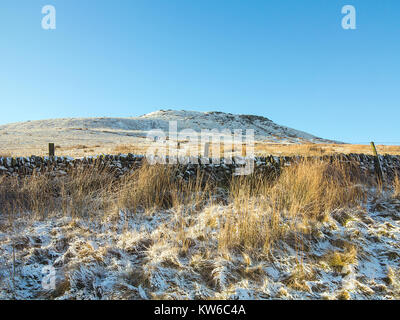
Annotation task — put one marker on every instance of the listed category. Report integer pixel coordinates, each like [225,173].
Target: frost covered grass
[265,211]
[316,231]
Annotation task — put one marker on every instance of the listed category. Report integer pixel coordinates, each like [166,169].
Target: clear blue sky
[288,60]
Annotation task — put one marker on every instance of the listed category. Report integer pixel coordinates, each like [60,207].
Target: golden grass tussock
[149,187]
[82,193]
[338,260]
[314,189]
[264,211]
[159,187]
[86,192]
[298,278]
[343,295]
[33,194]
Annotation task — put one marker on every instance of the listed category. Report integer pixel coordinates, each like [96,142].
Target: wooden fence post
[377,163]
[51,149]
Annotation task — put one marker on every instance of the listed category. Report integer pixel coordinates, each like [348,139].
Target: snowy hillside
[129,130]
[264,128]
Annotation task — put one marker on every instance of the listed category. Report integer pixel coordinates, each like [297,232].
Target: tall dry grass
[90,191]
[82,193]
[33,194]
[260,209]
[305,193]
[160,187]
[87,192]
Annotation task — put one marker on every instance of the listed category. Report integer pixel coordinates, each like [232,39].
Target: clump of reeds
[306,192]
[90,191]
[87,191]
[30,194]
[160,187]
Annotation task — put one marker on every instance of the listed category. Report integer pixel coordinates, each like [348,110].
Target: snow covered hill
[128,130]
[264,128]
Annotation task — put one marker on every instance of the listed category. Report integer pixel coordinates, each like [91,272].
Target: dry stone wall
[122,164]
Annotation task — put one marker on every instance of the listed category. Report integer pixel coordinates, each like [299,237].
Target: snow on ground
[133,130]
[145,256]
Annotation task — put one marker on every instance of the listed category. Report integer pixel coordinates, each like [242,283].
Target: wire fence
[376,142]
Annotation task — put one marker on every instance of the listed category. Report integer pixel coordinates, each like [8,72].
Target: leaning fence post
[377,163]
[51,149]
